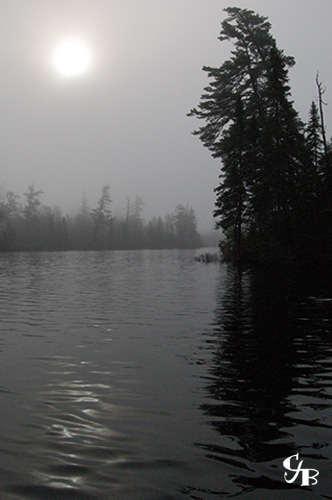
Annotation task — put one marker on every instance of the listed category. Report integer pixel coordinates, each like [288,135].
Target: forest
[274,197]
[32,226]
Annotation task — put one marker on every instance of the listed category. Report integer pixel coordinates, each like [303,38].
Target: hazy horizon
[123,122]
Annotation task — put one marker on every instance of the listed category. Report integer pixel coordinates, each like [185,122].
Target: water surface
[147,375]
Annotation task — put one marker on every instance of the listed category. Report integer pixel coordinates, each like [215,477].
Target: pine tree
[185,224]
[252,127]
[243,75]
[32,233]
[33,202]
[283,147]
[314,139]
[325,169]
[101,217]
[232,202]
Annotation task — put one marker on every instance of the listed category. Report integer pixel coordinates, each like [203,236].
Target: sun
[72,57]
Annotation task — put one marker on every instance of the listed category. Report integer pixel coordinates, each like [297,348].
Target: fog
[124,122]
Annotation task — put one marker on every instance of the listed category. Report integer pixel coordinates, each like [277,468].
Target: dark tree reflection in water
[269,381]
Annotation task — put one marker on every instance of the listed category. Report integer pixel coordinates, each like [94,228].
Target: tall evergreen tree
[251,125]
[314,139]
[32,228]
[232,202]
[33,202]
[325,171]
[283,148]
[242,75]
[101,217]
[185,224]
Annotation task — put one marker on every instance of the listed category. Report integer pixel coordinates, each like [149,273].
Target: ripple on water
[144,375]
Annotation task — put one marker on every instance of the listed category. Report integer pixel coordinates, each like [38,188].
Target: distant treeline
[31,226]
[274,198]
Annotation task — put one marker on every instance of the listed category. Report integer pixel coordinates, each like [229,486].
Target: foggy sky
[124,122]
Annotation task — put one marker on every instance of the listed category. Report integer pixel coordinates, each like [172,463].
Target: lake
[145,375]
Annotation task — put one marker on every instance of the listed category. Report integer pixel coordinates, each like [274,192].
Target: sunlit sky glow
[72,57]
[123,119]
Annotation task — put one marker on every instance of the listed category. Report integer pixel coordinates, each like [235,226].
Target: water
[147,375]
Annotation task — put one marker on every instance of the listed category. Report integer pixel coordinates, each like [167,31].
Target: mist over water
[147,375]
[124,122]
[131,374]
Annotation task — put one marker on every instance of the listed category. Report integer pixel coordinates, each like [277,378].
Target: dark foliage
[35,227]
[274,199]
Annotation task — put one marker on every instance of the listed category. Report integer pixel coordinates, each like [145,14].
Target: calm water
[149,376]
